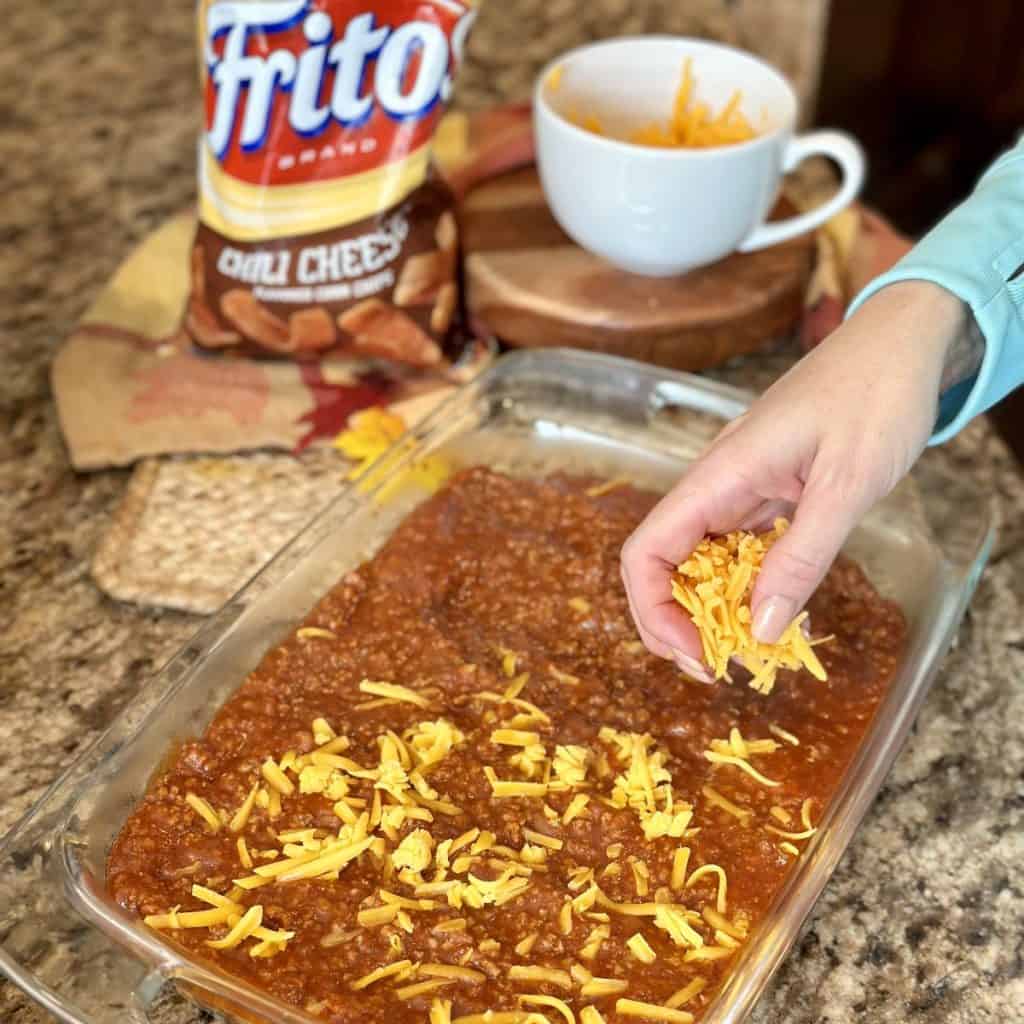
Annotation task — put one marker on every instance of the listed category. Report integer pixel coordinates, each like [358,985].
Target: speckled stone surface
[923,921]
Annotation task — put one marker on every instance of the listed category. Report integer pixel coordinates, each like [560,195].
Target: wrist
[930,321]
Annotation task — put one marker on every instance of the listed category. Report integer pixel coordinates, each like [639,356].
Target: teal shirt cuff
[977,252]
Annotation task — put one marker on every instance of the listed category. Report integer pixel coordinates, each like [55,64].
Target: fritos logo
[331,87]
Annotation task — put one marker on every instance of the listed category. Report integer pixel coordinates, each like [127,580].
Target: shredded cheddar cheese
[598,936]
[247,924]
[714,586]
[707,953]
[205,811]
[711,869]
[674,921]
[777,730]
[641,948]
[606,486]
[541,975]
[394,692]
[421,988]
[691,124]
[686,993]
[241,817]
[744,814]
[315,632]
[511,788]
[652,1011]
[576,807]
[441,1011]
[380,973]
[597,987]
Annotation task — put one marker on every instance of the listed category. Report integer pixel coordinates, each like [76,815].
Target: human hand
[821,446]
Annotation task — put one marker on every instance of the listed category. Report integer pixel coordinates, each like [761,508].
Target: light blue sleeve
[977,252]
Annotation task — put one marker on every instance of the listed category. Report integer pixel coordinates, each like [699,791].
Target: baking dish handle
[689,411]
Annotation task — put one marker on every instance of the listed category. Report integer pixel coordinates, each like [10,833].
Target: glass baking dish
[65,942]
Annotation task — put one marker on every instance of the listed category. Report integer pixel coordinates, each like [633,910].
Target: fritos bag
[322,227]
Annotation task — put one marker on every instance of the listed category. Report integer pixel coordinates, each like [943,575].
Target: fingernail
[772,617]
[691,667]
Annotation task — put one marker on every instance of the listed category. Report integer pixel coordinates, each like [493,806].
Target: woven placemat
[190,531]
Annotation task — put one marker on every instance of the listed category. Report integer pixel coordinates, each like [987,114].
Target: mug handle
[846,152]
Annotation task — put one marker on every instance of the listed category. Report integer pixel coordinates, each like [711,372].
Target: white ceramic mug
[665,211]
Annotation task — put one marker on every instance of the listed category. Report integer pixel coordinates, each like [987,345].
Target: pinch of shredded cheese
[714,586]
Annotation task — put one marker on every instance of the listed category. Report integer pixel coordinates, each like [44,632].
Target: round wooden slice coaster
[530,285]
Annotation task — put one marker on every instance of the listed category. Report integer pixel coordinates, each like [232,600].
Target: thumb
[798,561]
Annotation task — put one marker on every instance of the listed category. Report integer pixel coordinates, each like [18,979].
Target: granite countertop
[924,919]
